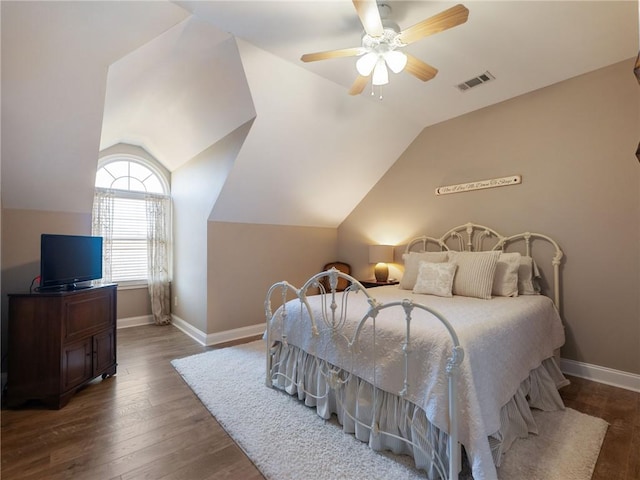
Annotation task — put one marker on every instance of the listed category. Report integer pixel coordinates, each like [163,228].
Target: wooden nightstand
[373,283]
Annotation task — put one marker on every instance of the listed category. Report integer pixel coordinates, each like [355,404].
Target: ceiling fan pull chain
[373,91]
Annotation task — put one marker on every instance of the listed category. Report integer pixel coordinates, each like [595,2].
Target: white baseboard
[198,335]
[235,334]
[608,376]
[134,321]
[220,337]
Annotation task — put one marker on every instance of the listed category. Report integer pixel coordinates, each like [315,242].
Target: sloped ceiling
[526,45]
[178,94]
[55,57]
[312,153]
[178,84]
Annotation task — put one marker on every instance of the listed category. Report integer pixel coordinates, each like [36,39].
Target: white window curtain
[102,226]
[158,248]
[156,241]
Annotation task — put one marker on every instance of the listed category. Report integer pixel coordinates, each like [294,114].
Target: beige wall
[244,260]
[21,242]
[574,144]
[133,302]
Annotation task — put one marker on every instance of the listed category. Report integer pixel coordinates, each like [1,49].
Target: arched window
[131,211]
[130,174]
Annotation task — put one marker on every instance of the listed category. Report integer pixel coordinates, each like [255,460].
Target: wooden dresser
[58,342]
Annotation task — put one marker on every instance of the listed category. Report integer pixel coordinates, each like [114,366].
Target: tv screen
[66,260]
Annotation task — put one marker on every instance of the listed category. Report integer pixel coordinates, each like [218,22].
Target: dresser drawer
[85,315]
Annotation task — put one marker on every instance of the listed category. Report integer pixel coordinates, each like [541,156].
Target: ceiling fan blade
[449,18]
[345,52]
[358,85]
[369,16]
[419,69]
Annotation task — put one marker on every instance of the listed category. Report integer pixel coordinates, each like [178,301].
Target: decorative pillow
[528,275]
[474,277]
[435,278]
[412,262]
[505,280]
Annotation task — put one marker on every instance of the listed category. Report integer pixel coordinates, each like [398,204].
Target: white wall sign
[479,185]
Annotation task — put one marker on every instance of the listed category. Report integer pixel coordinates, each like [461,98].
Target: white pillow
[505,280]
[412,262]
[528,275]
[435,279]
[474,277]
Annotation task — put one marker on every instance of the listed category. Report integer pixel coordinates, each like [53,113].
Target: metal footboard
[333,315]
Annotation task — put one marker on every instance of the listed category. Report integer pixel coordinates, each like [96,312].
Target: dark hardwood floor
[142,423]
[146,423]
[620,454]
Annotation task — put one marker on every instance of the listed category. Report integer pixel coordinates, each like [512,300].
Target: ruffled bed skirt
[357,404]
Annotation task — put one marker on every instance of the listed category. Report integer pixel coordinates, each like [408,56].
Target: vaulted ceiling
[177,77]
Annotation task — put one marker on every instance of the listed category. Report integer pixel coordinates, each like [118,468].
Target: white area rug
[287,440]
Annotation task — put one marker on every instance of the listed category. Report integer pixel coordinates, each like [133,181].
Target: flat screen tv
[67,260]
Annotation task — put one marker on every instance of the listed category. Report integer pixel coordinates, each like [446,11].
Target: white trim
[134,321]
[133,285]
[211,339]
[198,335]
[235,334]
[608,376]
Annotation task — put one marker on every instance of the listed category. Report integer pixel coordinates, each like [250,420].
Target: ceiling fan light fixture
[365,64]
[396,60]
[382,37]
[380,73]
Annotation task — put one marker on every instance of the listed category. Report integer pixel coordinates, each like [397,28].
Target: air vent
[475,81]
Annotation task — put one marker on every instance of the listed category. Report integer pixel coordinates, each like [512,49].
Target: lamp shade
[396,61]
[380,253]
[365,64]
[380,73]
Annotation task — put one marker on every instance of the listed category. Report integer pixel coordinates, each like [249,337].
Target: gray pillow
[412,263]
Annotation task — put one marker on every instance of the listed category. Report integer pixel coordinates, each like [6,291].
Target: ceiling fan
[382,42]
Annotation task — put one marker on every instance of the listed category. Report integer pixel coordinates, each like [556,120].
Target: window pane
[103,178]
[136,185]
[118,169]
[121,183]
[139,171]
[153,185]
[130,176]
[129,260]
[129,254]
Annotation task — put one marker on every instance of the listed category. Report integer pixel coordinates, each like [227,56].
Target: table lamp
[381,255]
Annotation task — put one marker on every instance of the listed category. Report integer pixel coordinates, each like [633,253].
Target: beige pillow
[474,277]
[412,262]
[435,279]
[505,280]
[528,275]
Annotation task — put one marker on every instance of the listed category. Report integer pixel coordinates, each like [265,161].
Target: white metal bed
[330,332]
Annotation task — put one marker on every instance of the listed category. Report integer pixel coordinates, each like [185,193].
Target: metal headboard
[472,237]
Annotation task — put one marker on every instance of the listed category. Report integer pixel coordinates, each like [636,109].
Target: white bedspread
[503,338]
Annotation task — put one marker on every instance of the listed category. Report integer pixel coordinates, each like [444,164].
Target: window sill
[132,285]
